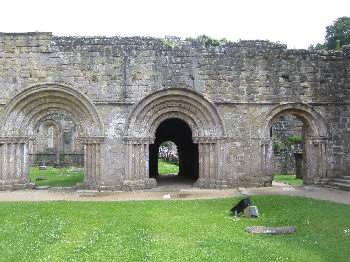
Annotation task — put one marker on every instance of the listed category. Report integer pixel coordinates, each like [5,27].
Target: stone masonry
[126,95]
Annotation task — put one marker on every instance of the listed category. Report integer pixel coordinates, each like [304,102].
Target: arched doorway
[192,112]
[177,131]
[314,137]
[24,113]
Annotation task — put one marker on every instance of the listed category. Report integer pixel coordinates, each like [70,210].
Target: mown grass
[199,230]
[59,177]
[288,179]
[167,168]
[66,177]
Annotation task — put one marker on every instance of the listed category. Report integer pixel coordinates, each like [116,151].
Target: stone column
[299,165]
[209,155]
[14,163]
[266,156]
[315,159]
[93,160]
[137,163]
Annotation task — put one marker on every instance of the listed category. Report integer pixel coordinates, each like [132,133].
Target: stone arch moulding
[315,140]
[195,110]
[22,114]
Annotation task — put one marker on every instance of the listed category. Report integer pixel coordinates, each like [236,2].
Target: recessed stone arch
[184,104]
[28,106]
[315,140]
[21,117]
[313,120]
[201,114]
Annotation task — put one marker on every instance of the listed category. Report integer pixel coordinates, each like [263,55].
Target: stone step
[322,181]
[329,186]
[340,180]
[341,186]
[344,177]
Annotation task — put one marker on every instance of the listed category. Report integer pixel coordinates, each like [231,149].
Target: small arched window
[50,137]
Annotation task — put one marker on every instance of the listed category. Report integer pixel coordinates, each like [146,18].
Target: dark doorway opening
[288,160]
[180,133]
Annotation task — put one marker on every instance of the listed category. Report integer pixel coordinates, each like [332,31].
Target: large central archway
[188,107]
[27,110]
[179,132]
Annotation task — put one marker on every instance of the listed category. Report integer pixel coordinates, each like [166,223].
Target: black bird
[239,208]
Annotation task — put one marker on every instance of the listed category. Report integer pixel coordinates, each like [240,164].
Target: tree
[318,46]
[338,31]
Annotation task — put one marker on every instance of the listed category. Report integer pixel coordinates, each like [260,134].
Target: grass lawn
[167,168]
[64,177]
[199,230]
[288,179]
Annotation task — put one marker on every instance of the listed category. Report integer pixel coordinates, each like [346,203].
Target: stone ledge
[16,186]
[130,185]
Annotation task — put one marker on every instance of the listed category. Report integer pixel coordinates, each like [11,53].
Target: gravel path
[177,192]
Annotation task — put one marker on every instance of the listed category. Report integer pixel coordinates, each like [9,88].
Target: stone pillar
[209,154]
[266,165]
[299,165]
[14,163]
[315,159]
[93,160]
[266,156]
[137,164]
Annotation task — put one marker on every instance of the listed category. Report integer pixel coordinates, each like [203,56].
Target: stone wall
[241,85]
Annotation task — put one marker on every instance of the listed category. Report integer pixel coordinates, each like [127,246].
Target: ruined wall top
[125,69]
[42,39]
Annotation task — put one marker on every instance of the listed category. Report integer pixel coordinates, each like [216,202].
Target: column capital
[265,141]
[317,140]
[91,139]
[138,140]
[206,139]
[14,139]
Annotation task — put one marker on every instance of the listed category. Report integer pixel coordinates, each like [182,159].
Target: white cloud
[297,23]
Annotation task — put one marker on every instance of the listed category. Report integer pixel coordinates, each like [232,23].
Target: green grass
[199,230]
[288,179]
[167,168]
[64,177]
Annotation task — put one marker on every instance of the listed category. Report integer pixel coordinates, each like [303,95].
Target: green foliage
[338,31]
[210,42]
[318,46]
[337,35]
[288,179]
[167,168]
[295,139]
[278,146]
[60,177]
[195,230]
[282,145]
[169,43]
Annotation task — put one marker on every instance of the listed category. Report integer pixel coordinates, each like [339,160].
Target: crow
[239,208]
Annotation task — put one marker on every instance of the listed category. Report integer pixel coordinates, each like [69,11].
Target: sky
[297,23]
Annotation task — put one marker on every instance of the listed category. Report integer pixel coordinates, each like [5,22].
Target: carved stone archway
[315,140]
[192,108]
[22,115]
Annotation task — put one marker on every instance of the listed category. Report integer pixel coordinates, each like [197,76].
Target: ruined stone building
[115,100]
[55,142]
